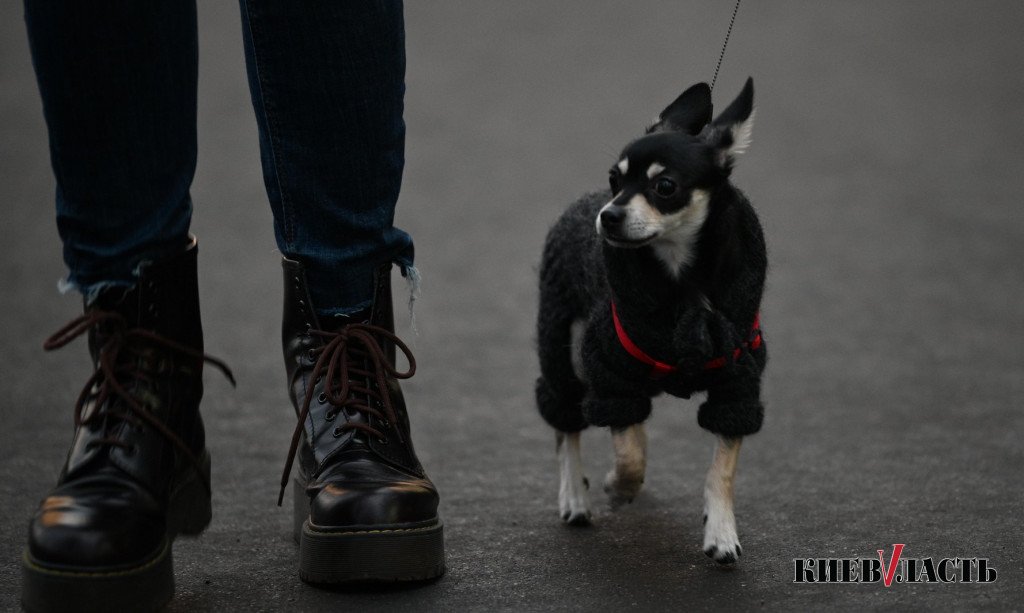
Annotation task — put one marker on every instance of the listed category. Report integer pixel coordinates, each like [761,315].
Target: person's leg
[327,82]
[118,83]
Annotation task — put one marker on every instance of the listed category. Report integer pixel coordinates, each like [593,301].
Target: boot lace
[116,366]
[348,357]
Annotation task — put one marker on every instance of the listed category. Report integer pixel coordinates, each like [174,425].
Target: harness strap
[660,369]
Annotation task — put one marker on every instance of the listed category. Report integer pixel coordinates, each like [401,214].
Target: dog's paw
[721,543]
[577,518]
[621,489]
[725,557]
[574,504]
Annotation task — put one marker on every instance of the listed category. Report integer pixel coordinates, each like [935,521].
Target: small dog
[663,297]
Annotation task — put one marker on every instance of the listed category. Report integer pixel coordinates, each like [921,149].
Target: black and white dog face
[662,183]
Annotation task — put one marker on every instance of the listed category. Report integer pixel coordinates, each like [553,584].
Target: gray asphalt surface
[888,169]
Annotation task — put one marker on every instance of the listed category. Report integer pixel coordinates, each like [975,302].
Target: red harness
[660,369]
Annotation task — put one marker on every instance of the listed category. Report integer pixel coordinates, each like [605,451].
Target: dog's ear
[689,113]
[730,132]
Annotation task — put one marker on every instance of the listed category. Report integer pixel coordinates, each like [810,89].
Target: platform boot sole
[337,556]
[146,587]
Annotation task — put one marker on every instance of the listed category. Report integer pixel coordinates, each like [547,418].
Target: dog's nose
[611,217]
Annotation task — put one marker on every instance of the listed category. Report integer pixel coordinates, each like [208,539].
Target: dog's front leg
[721,542]
[623,481]
[573,500]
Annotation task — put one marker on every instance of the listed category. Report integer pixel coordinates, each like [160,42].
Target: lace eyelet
[322,398]
[385,424]
[311,356]
[383,440]
[330,415]
[338,432]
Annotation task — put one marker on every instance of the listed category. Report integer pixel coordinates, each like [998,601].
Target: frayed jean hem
[91,291]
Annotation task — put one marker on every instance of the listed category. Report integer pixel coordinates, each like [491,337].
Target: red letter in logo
[889,572]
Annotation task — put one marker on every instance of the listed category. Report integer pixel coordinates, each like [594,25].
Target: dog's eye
[665,188]
[613,180]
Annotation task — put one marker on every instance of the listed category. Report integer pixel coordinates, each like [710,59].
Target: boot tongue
[118,299]
[335,323]
[121,300]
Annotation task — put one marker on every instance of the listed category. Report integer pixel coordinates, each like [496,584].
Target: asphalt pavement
[887,166]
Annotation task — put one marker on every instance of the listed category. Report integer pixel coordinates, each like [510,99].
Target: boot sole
[366,556]
[146,587]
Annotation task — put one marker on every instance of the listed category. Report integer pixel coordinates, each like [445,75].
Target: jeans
[118,83]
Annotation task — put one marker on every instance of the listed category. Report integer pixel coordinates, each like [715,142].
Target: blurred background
[888,170]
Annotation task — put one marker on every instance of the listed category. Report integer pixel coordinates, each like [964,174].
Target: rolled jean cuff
[346,288]
[103,272]
[92,290]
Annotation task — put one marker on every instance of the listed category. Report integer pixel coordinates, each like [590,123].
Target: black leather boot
[364,509]
[138,472]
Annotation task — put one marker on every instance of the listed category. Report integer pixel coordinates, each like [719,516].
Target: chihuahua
[654,286]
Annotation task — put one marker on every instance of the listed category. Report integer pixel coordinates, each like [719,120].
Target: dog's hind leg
[573,499]
[721,542]
[559,390]
[623,481]
[559,393]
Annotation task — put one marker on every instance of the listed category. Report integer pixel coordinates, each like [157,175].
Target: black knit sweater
[665,315]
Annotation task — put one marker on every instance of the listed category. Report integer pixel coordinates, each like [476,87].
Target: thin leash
[724,44]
